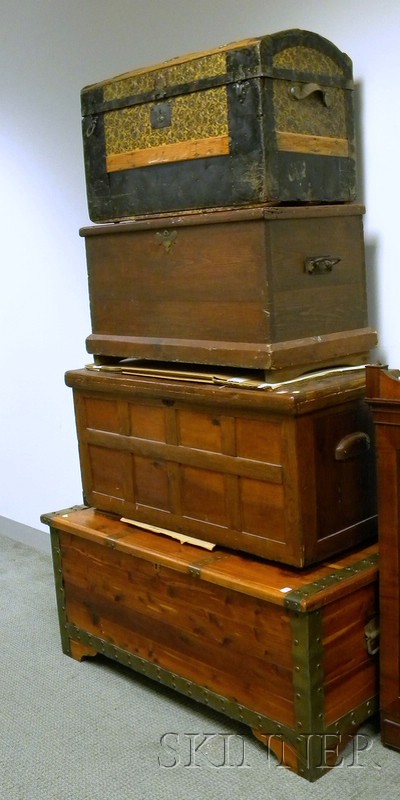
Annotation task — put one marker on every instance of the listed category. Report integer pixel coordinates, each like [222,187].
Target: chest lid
[301,591]
[303,57]
[309,393]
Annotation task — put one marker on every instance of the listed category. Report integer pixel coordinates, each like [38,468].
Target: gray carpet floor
[96,731]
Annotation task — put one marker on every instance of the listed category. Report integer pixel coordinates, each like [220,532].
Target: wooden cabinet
[383,393]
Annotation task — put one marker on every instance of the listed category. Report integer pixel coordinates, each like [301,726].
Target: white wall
[49,50]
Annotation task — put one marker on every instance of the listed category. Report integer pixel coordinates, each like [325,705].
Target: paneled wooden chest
[268,119]
[286,474]
[383,394]
[291,654]
[269,288]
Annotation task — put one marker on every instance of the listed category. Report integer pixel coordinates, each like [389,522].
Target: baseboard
[40,540]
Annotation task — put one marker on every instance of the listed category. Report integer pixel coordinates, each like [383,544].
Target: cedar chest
[270,288]
[268,119]
[290,654]
[287,474]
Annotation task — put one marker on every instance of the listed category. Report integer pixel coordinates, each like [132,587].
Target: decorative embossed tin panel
[199,119]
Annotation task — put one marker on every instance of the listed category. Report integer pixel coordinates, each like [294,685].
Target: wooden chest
[286,474]
[268,119]
[383,394]
[290,654]
[270,288]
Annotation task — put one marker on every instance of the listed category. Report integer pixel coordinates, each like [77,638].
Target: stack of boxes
[226,401]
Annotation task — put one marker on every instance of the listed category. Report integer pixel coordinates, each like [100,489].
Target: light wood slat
[167,153]
[316,145]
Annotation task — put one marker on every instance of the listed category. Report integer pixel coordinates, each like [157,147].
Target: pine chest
[290,654]
[270,288]
[287,474]
[268,119]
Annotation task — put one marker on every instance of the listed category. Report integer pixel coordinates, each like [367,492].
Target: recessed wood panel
[259,439]
[151,483]
[110,472]
[101,414]
[199,430]
[262,507]
[147,422]
[203,496]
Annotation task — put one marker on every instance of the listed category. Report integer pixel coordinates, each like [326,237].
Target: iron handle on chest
[320,265]
[302,91]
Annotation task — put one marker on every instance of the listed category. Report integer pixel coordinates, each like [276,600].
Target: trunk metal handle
[318,265]
[301,92]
